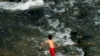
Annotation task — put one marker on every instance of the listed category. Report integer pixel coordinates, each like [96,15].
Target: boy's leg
[52,51]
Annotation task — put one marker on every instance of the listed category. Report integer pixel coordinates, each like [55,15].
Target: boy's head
[49,36]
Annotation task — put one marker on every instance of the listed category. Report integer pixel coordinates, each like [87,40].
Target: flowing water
[24,26]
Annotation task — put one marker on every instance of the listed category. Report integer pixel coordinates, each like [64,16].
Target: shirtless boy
[52,45]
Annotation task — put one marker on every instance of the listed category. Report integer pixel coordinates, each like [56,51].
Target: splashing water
[60,32]
[61,37]
[21,6]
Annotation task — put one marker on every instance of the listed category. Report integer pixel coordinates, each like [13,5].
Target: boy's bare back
[51,43]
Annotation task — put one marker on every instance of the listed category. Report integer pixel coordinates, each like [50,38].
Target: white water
[72,2]
[22,6]
[61,37]
[97,20]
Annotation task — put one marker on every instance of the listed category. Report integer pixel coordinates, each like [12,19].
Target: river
[24,26]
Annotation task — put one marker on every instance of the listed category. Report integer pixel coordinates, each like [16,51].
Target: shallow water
[22,30]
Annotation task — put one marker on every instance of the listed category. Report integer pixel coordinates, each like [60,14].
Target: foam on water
[59,11]
[81,53]
[89,1]
[72,2]
[64,37]
[21,5]
[53,23]
[61,36]
[97,23]
[96,20]
[99,11]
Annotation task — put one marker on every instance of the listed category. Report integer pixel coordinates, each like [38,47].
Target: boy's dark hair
[49,36]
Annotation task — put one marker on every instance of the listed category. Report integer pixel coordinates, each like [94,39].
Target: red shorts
[52,51]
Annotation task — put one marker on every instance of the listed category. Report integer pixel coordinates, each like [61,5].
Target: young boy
[52,45]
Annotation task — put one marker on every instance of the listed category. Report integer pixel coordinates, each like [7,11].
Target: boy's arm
[43,45]
[57,45]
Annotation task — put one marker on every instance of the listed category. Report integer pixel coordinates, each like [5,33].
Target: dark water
[22,31]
